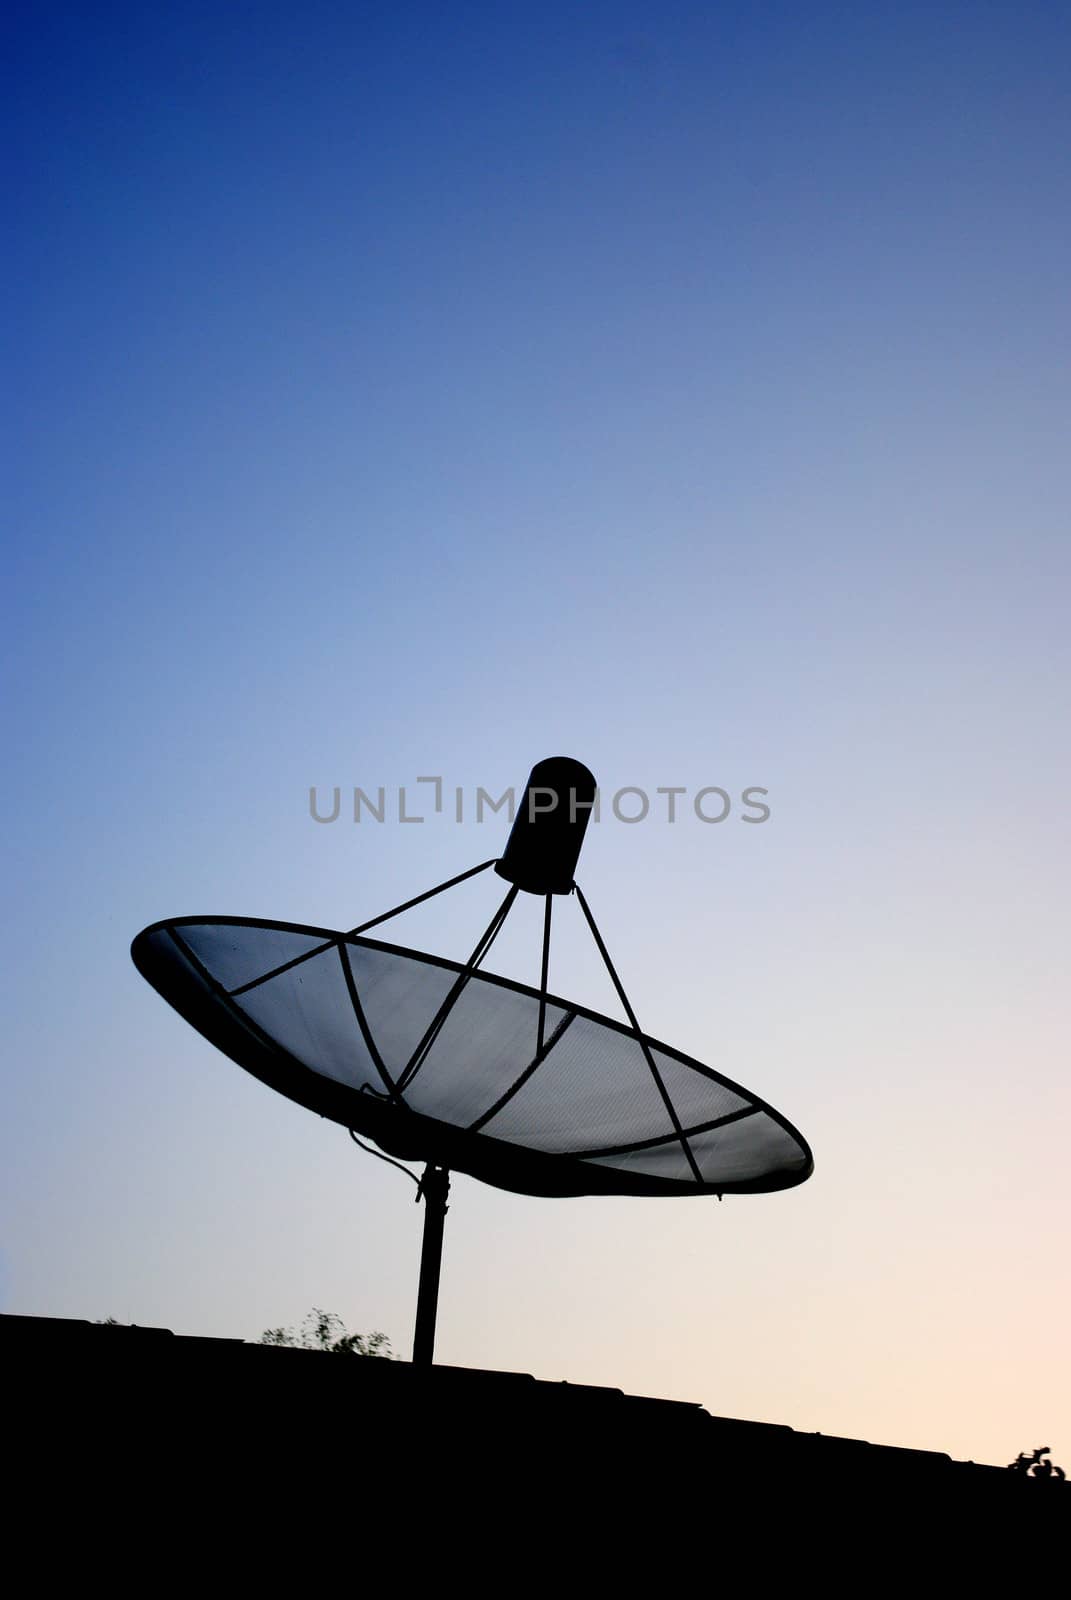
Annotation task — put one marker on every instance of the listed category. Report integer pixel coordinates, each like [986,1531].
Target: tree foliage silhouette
[323,1330]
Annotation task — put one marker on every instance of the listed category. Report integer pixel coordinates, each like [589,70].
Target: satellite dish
[447,1065]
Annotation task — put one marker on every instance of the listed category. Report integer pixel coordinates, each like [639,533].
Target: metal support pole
[434,1189]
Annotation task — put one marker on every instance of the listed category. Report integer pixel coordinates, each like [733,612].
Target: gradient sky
[409,389]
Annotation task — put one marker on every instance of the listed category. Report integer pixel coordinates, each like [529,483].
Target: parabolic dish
[331,1020]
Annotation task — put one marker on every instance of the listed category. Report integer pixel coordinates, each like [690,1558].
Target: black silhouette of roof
[141,1426]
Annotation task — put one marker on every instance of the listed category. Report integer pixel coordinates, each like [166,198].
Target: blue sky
[405,390]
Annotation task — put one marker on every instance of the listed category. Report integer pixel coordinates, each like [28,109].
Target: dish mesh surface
[354,1028]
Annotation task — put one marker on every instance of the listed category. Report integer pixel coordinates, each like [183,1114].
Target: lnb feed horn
[549,826]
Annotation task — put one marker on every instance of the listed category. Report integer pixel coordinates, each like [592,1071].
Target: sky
[407,390]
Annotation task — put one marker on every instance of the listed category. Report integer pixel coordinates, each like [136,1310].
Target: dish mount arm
[433,1189]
